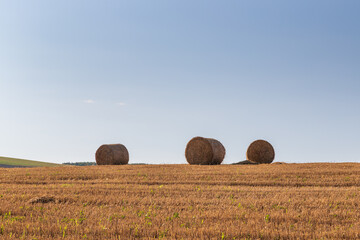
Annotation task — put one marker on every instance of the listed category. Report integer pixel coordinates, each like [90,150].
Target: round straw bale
[260,151]
[204,151]
[112,154]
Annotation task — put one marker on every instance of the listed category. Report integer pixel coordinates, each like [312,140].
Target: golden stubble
[272,201]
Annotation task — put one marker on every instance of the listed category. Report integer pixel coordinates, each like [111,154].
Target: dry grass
[276,201]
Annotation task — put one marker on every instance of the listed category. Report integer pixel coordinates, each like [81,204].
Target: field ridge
[17,162]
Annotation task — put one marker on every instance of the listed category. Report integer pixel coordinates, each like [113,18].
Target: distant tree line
[80,163]
[93,163]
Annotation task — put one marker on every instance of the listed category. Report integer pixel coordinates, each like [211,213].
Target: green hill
[15,162]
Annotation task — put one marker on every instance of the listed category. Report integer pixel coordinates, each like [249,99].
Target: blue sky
[153,74]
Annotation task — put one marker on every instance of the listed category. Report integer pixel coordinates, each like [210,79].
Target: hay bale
[260,151]
[204,151]
[112,154]
[246,162]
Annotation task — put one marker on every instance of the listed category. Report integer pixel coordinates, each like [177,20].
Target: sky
[153,74]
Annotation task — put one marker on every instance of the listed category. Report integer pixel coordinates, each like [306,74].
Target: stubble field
[276,201]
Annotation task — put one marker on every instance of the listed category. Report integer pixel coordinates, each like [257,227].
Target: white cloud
[121,104]
[89,101]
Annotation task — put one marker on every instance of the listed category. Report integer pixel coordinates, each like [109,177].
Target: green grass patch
[27,163]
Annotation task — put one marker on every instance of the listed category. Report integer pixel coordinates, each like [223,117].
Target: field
[277,201]
[15,162]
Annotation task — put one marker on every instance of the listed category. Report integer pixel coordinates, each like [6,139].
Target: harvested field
[274,201]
